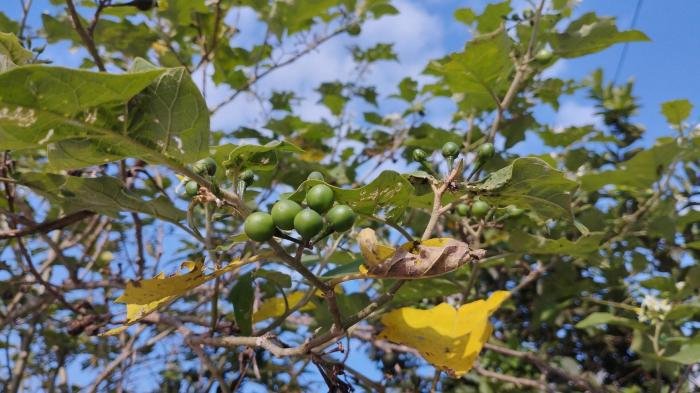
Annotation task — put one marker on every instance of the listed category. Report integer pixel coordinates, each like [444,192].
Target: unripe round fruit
[450,150]
[485,151]
[341,218]
[316,175]
[514,211]
[320,198]
[354,29]
[479,209]
[419,155]
[205,166]
[259,226]
[283,213]
[308,223]
[247,176]
[462,209]
[544,55]
[191,188]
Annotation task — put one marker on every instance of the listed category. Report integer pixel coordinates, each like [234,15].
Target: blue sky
[665,68]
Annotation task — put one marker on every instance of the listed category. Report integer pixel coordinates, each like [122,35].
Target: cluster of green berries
[204,167]
[479,209]
[308,222]
[450,151]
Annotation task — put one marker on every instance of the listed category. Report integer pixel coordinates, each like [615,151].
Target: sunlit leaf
[448,338]
[146,296]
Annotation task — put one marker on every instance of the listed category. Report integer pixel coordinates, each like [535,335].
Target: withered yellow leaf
[146,296]
[429,258]
[448,338]
[275,307]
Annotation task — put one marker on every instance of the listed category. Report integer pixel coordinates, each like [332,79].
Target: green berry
[450,150]
[191,188]
[316,175]
[354,29]
[462,209]
[419,155]
[259,226]
[341,218]
[544,56]
[514,211]
[485,151]
[320,198]
[479,209]
[247,176]
[308,223]
[205,166]
[283,213]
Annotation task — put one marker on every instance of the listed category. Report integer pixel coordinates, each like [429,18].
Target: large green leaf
[532,184]
[40,105]
[12,53]
[172,113]
[521,241]
[389,191]
[80,115]
[104,195]
[590,34]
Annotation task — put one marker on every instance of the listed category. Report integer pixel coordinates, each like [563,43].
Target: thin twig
[84,36]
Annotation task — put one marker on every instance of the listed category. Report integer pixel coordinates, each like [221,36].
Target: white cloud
[418,37]
[572,113]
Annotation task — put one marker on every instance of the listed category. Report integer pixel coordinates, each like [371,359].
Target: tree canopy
[147,244]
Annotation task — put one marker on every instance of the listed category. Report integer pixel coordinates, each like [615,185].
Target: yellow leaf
[412,260]
[275,307]
[373,252]
[146,296]
[448,338]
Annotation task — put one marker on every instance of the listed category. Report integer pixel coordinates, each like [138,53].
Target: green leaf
[688,354]
[529,183]
[281,279]
[604,318]
[389,191]
[493,16]
[133,40]
[241,297]
[40,105]
[465,15]
[408,89]
[255,157]
[104,195]
[586,245]
[12,53]
[7,25]
[167,119]
[590,34]
[564,137]
[694,245]
[676,111]
[642,170]
[480,72]
[171,113]
[431,138]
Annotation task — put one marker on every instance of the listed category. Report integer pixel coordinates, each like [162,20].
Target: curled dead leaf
[429,258]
